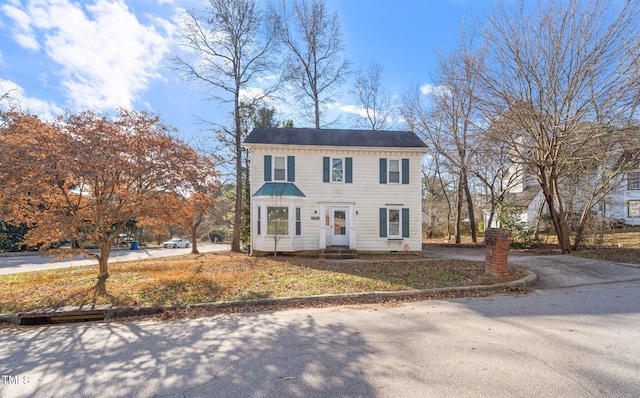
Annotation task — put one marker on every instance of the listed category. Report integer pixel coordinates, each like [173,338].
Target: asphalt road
[572,336]
[17,264]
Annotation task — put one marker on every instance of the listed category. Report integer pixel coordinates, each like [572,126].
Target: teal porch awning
[279,189]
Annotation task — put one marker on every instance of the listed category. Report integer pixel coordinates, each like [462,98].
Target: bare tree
[495,171]
[228,47]
[436,196]
[253,115]
[377,104]
[452,122]
[564,78]
[316,64]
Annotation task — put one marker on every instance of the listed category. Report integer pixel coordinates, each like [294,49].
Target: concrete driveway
[22,263]
[554,271]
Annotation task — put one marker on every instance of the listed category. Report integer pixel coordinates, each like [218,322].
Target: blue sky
[64,55]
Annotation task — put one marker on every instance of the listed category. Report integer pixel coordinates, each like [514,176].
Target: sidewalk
[36,261]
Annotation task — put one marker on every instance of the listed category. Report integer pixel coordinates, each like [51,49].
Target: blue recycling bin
[134,245]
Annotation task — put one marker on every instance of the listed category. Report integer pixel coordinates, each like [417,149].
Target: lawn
[214,277]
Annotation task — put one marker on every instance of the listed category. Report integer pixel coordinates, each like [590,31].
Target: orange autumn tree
[189,211]
[187,205]
[84,176]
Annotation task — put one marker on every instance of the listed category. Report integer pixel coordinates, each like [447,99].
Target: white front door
[339,230]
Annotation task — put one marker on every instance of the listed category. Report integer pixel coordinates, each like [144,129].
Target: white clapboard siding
[366,194]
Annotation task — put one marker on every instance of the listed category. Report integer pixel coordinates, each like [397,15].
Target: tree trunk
[317,110]
[538,219]
[444,191]
[194,235]
[103,260]
[472,217]
[582,225]
[194,241]
[557,215]
[237,219]
[459,197]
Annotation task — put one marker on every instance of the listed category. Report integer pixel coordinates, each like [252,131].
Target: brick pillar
[496,241]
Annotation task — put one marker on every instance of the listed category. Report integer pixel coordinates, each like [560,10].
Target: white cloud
[427,89]
[431,89]
[16,98]
[251,93]
[351,109]
[354,109]
[106,56]
[22,32]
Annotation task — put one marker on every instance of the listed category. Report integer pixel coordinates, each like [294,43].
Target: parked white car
[174,243]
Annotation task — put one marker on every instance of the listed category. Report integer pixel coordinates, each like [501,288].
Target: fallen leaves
[221,277]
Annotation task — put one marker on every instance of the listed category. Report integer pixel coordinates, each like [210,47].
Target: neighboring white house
[522,189]
[317,188]
[623,204]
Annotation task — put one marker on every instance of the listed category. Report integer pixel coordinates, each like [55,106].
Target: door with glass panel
[338,226]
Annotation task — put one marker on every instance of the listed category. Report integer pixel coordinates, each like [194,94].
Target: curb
[108,312]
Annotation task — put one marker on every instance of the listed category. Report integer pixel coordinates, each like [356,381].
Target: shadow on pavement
[244,355]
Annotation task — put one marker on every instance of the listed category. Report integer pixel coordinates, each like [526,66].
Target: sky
[60,56]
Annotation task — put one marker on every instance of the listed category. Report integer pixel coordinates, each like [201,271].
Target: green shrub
[522,234]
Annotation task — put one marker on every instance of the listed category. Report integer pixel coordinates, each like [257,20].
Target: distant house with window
[619,206]
[315,189]
[623,204]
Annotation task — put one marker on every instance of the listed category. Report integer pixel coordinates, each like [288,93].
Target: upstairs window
[337,170]
[634,180]
[394,171]
[279,168]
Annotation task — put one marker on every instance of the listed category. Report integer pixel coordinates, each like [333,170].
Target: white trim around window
[394,223]
[279,168]
[633,209]
[282,219]
[633,180]
[338,170]
[394,171]
[298,221]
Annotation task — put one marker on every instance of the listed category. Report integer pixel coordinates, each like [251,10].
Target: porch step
[338,253]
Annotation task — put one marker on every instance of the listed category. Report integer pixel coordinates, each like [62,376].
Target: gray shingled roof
[334,137]
[524,198]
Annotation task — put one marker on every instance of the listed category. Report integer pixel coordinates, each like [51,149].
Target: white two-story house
[623,204]
[313,189]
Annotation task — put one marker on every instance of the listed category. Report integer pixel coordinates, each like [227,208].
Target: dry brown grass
[215,277]
[627,237]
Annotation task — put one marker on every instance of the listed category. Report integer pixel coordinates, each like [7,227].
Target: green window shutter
[348,178]
[405,222]
[291,168]
[383,222]
[326,170]
[405,171]
[267,167]
[383,171]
